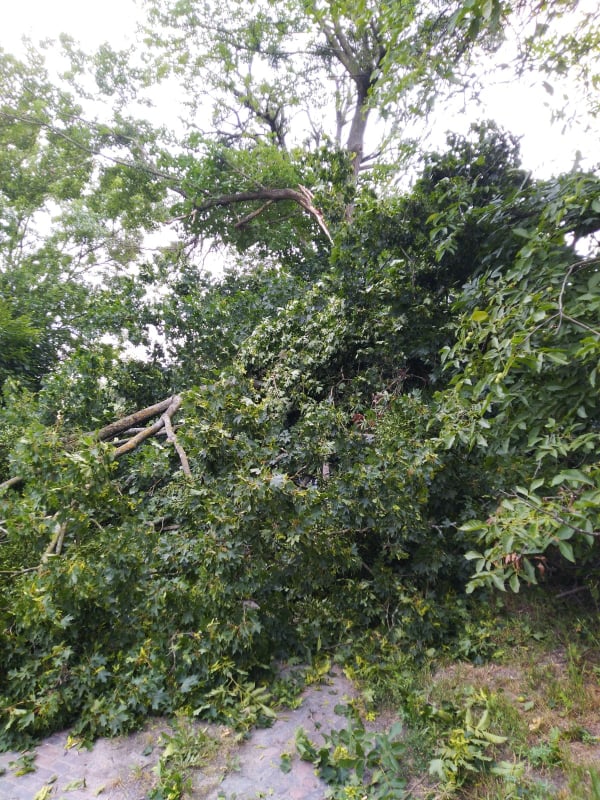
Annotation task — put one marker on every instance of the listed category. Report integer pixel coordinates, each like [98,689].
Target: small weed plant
[468,744]
[357,763]
[186,748]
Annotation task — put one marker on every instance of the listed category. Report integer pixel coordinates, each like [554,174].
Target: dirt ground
[123,768]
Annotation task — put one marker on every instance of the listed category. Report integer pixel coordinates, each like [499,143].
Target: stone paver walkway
[121,769]
[114,769]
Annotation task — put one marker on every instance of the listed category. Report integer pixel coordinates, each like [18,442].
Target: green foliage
[362,421]
[185,748]
[526,393]
[76,199]
[205,320]
[17,340]
[356,762]
[258,556]
[467,742]
[547,754]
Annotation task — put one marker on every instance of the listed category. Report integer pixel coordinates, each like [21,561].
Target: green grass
[537,683]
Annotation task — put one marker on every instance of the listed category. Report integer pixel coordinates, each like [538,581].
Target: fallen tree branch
[56,543]
[131,432]
[302,196]
[185,464]
[130,421]
[166,408]
[14,573]
[12,482]
[164,421]
[128,435]
[132,443]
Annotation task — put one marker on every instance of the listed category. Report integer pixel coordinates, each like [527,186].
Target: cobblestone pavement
[121,769]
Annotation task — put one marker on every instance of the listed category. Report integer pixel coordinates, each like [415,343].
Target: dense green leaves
[527,393]
[389,397]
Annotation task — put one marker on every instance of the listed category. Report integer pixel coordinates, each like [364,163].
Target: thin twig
[14,573]
[572,591]
[145,167]
[576,266]
[580,324]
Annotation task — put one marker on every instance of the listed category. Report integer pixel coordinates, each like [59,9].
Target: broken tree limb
[12,482]
[302,196]
[56,543]
[127,435]
[164,421]
[61,538]
[132,443]
[166,408]
[185,464]
[130,421]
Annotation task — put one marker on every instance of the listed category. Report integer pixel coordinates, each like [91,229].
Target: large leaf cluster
[525,393]
[167,590]
[330,487]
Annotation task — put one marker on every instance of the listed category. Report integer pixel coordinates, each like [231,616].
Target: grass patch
[520,719]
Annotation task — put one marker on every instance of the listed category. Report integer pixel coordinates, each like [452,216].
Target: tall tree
[271,77]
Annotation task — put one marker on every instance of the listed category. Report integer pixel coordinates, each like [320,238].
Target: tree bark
[302,196]
[16,481]
[110,431]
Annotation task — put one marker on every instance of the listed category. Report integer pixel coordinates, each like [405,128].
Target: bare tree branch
[109,431]
[56,543]
[302,196]
[185,464]
[164,421]
[11,482]
[166,409]
[132,443]
[252,215]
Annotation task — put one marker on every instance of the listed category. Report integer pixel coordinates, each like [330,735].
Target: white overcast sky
[91,23]
[521,109]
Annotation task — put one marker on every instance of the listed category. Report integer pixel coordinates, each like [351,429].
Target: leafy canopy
[387,401]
